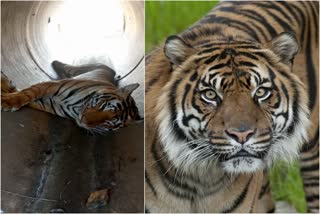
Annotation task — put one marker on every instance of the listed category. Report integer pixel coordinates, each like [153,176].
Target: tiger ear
[128,89]
[286,46]
[177,50]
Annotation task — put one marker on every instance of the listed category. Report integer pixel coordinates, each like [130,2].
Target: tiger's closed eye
[262,94]
[210,96]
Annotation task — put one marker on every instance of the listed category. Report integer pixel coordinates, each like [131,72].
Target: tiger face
[107,111]
[234,105]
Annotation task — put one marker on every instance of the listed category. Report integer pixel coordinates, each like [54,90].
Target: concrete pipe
[48,163]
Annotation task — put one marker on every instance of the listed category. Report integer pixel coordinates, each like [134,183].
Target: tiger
[92,97]
[227,98]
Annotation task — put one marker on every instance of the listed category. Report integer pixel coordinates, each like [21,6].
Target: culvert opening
[82,31]
[75,32]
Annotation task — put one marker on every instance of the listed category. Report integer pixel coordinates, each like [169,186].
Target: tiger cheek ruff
[223,103]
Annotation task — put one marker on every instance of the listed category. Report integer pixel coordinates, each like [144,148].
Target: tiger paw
[11,102]
[58,66]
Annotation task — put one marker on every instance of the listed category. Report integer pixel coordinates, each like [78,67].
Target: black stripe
[247,54]
[167,179]
[273,77]
[244,63]
[79,89]
[240,198]
[313,209]
[150,184]
[235,44]
[312,198]
[311,178]
[231,23]
[315,13]
[272,210]
[231,9]
[260,30]
[259,76]
[314,141]
[263,141]
[125,113]
[274,6]
[286,113]
[151,83]
[312,184]
[313,157]
[208,50]
[84,99]
[119,106]
[211,76]
[40,101]
[207,31]
[73,110]
[194,76]
[247,46]
[312,85]
[256,16]
[228,85]
[184,97]
[265,56]
[264,190]
[177,130]
[65,112]
[63,83]
[52,106]
[189,35]
[193,101]
[186,119]
[313,167]
[288,7]
[295,103]
[303,24]
[211,59]
[218,66]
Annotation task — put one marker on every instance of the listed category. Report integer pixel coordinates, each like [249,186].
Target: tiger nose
[240,136]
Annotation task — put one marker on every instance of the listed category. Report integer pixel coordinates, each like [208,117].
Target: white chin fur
[243,165]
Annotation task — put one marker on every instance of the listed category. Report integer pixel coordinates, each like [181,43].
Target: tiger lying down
[227,98]
[91,98]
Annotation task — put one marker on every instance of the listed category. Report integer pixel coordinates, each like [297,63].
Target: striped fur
[227,98]
[92,99]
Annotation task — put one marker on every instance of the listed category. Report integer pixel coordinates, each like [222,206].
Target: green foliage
[286,185]
[165,18]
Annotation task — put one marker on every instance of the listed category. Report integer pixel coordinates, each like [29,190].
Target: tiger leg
[16,100]
[68,71]
[266,202]
[309,166]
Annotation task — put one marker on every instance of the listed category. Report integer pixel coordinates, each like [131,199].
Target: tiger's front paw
[11,102]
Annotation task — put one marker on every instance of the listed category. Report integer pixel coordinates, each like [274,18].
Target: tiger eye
[209,95]
[260,92]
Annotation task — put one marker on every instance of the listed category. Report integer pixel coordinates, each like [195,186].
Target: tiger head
[110,110]
[232,105]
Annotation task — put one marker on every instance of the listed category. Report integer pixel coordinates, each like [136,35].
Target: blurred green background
[165,18]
